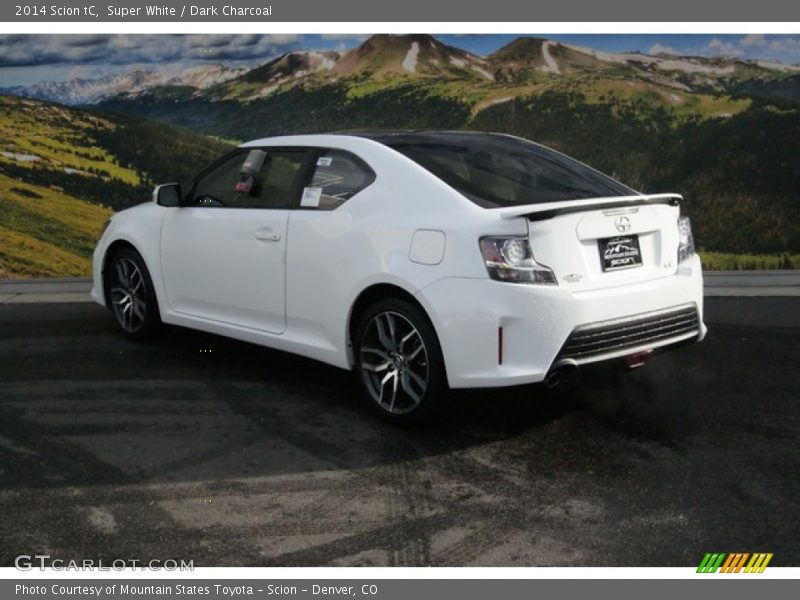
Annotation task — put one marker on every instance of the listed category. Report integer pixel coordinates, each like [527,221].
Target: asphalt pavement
[228,454]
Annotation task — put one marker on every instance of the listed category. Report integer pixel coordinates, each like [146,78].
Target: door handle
[265,234]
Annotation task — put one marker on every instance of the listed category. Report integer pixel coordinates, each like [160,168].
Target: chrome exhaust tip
[552,379]
[559,371]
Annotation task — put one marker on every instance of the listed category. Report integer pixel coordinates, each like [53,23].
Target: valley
[64,171]
[723,132]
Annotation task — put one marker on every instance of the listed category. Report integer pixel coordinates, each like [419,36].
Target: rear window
[499,171]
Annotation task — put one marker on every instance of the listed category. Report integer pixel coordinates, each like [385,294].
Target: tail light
[510,259]
[686,239]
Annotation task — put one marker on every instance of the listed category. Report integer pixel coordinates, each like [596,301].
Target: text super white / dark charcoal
[230,11]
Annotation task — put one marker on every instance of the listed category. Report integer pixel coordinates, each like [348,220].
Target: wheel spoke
[138,308]
[392,330]
[407,337]
[394,390]
[383,337]
[122,275]
[416,379]
[414,353]
[136,286]
[405,380]
[377,351]
[386,378]
[376,368]
[118,295]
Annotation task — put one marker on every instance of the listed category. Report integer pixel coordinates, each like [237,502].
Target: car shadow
[192,406]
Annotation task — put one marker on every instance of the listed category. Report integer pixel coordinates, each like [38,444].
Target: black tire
[391,367]
[130,295]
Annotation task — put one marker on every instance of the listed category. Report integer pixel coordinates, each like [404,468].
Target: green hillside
[723,132]
[731,156]
[64,171]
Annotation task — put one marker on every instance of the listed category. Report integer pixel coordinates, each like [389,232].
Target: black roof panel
[387,137]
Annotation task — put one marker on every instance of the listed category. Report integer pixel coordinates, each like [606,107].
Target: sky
[28,59]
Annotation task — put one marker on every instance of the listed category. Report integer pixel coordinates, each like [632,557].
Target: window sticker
[311,196]
[324,161]
[245,184]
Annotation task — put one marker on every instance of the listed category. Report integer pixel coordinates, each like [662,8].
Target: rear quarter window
[337,177]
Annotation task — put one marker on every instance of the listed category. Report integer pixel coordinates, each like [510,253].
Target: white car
[421,260]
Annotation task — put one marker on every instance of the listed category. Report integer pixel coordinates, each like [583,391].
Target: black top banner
[476,11]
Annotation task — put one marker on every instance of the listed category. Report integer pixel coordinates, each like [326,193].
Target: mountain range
[524,61]
[87,91]
[723,132]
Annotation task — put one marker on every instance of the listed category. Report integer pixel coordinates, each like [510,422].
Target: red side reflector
[499,345]
[639,359]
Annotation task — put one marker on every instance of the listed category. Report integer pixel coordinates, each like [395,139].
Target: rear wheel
[130,295]
[399,362]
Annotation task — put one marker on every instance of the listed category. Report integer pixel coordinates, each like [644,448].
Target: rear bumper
[614,338]
[538,321]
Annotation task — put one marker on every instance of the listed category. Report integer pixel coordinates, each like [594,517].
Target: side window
[218,188]
[338,176]
[255,179]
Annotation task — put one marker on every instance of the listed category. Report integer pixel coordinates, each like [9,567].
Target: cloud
[716,47]
[788,46]
[661,49]
[39,50]
[754,39]
[783,48]
[80,41]
[755,46]
[335,37]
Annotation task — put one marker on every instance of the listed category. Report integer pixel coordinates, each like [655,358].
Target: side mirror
[168,194]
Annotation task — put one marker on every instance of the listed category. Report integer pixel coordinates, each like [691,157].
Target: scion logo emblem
[623,224]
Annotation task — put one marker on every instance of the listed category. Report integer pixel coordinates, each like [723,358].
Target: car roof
[388,137]
[384,137]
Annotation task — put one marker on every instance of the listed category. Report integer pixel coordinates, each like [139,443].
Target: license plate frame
[620,252]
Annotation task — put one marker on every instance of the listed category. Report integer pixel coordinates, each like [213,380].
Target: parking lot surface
[228,454]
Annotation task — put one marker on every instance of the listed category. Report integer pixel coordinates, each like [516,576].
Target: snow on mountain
[88,91]
[418,55]
[263,80]
[774,66]
[92,91]
[415,56]
[550,64]
[663,62]
[410,61]
[204,76]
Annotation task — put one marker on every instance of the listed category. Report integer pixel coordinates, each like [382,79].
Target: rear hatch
[609,236]
[604,242]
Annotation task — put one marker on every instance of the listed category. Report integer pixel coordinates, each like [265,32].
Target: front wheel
[399,362]
[131,296]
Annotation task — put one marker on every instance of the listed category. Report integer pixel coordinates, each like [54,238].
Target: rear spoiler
[540,212]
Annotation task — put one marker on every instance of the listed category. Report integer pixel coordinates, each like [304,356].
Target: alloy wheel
[394,363]
[128,295]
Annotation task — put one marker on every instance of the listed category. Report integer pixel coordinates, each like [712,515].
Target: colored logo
[736,562]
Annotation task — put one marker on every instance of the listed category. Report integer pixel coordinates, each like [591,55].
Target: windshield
[499,171]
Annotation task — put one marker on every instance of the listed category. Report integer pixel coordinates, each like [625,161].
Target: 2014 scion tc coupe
[420,260]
